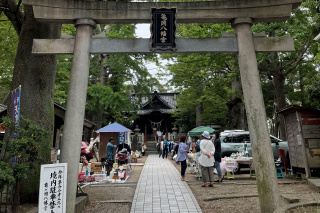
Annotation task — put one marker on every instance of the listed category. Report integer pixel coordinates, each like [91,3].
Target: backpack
[166,143]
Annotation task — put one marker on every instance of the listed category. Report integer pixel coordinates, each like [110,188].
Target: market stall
[199,130]
[119,133]
[95,171]
[229,164]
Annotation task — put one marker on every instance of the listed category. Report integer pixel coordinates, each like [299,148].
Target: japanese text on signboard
[163,29]
[52,188]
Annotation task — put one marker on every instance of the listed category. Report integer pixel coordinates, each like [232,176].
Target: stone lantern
[174,132]
[136,140]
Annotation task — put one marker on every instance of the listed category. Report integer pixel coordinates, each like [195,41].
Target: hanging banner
[16,105]
[53,188]
[163,29]
[122,137]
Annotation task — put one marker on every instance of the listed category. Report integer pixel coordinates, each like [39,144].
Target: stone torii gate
[240,13]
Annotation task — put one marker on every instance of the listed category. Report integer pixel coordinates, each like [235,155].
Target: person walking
[206,159]
[217,154]
[182,156]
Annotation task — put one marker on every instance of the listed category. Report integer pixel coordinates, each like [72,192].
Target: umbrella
[199,130]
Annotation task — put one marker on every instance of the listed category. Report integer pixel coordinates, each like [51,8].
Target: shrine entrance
[155,115]
[240,13]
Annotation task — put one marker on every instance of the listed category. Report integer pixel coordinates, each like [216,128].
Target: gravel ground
[115,198]
[236,196]
[241,194]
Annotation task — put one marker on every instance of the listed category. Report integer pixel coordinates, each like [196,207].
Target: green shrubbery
[19,153]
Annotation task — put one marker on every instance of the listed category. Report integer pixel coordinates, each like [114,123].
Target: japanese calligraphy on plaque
[163,29]
[53,183]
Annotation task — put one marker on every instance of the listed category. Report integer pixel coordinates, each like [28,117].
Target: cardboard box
[96,167]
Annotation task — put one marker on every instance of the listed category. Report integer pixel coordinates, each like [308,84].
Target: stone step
[314,183]
[151,146]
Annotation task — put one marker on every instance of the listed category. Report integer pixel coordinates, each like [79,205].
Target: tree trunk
[302,89]
[237,112]
[199,111]
[280,103]
[36,74]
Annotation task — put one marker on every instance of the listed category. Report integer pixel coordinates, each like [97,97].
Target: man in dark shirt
[217,154]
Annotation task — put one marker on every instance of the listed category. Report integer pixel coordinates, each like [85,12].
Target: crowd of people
[208,146]
[210,154]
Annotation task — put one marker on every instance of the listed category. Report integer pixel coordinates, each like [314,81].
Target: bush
[20,149]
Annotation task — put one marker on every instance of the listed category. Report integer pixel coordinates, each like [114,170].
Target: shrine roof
[166,104]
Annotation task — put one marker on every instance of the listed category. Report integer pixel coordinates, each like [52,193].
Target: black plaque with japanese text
[163,29]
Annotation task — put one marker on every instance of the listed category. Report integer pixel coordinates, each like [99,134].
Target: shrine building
[155,114]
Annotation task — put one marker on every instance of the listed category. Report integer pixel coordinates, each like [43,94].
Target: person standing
[158,146]
[194,145]
[217,154]
[110,150]
[159,134]
[206,159]
[143,148]
[110,155]
[182,156]
[91,140]
[165,148]
[161,148]
[171,145]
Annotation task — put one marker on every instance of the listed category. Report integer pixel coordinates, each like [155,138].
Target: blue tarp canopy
[115,127]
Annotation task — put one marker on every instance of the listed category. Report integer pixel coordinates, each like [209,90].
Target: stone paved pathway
[160,189]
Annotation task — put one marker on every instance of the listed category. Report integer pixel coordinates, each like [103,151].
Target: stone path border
[160,189]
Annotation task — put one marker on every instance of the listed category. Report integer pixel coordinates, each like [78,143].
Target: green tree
[8,49]
[27,150]
[112,78]
[201,78]
[36,75]
[303,27]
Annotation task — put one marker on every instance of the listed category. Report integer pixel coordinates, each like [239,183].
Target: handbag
[144,147]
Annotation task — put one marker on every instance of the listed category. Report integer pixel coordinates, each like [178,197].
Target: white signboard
[53,188]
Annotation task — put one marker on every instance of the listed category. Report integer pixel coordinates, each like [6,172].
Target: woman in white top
[161,147]
[206,159]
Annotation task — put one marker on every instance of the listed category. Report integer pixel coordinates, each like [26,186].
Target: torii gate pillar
[76,103]
[255,109]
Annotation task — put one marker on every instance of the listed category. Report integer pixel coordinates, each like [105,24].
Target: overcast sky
[143,31]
